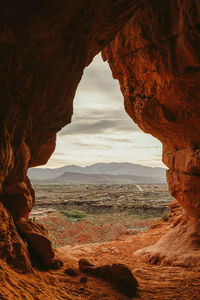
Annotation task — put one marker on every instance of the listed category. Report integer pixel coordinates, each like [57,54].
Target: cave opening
[102,146]
[101,131]
[152,48]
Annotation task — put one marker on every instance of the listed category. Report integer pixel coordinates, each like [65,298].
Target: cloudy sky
[101,130]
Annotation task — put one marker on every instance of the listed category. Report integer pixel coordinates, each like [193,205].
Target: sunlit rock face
[156,59]
[44,47]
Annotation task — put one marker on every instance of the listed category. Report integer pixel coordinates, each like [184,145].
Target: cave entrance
[101,131]
[104,138]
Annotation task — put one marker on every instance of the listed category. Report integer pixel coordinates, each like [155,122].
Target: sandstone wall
[156,59]
[44,48]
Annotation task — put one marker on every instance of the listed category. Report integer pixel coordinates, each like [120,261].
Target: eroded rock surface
[118,274]
[154,282]
[39,243]
[44,48]
[156,59]
[19,199]
[12,248]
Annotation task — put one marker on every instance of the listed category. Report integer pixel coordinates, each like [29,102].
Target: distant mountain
[78,178]
[124,172]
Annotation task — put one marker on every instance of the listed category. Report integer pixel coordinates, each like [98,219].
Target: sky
[101,130]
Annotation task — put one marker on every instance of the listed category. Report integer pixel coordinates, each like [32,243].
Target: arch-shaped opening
[156,59]
[101,131]
[113,167]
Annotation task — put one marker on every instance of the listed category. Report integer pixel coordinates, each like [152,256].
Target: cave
[152,48]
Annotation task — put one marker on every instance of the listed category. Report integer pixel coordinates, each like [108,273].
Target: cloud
[157,157]
[98,105]
[96,121]
[59,153]
[101,130]
[91,145]
[148,147]
[119,140]
[98,127]
[104,113]
[98,76]
[97,80]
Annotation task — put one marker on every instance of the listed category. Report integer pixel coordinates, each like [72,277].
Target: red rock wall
[156,59]
[12,248]
[44,48]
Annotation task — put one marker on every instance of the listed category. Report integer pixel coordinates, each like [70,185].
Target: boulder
[40,246]
[117,274]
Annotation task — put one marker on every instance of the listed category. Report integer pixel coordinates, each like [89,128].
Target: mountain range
[100,173]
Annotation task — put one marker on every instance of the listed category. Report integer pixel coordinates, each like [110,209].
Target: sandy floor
[155,282]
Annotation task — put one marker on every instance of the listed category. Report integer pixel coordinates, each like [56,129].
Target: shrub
[165,217]
[144,217]
[76,214]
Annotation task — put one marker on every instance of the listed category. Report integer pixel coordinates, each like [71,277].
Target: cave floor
[155,281]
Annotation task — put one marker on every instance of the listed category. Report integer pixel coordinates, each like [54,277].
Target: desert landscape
[78,214]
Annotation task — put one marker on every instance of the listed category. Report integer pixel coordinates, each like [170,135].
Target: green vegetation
[74,214]
[144,217]
[165,217]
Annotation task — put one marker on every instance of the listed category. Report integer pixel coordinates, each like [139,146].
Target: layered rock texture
[156,59]
[44,47]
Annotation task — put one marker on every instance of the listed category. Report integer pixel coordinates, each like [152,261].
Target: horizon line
[123,162]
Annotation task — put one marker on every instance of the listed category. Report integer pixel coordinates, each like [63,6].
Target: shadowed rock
[117,274]
[40,246]
[44,48]
[71,272]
